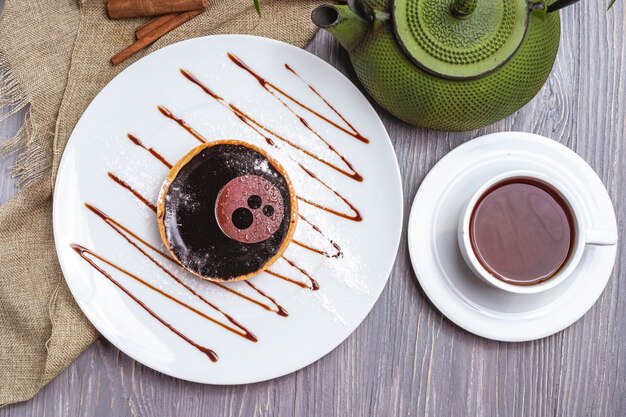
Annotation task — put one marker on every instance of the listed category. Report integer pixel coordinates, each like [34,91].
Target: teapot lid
[460,39]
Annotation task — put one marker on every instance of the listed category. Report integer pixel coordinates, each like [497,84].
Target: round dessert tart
[227,211]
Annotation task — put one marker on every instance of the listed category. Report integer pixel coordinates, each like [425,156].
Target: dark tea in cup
[525,232]
[522,231]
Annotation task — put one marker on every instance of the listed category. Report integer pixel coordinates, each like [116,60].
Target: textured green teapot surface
[447,64]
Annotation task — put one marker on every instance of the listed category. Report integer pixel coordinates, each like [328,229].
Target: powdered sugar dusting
[326,304]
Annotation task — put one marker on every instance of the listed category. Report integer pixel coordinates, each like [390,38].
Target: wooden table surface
[406,359]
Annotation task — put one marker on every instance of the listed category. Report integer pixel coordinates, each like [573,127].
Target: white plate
[441,270]
[318,320]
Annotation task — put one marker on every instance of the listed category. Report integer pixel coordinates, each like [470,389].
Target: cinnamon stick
[146,28]
[154,35]
[122,9]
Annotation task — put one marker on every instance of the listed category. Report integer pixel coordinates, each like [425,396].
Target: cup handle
[601,237]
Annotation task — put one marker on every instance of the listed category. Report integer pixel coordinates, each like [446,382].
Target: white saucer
[441,270]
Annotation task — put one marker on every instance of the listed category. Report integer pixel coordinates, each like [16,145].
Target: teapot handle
[559,4]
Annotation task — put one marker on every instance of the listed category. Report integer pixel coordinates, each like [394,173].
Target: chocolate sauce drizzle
[273,90]
[260,129]
[281,311]
[164,161]
[288,279]
[267,84]
[356,134]
[154,153]
[193,132]
[137,195]
[121,229]
[148,204]
[322,252]
[83,252]
[314,285]
[337,254]
[238,329]
[355,217]
[270,136]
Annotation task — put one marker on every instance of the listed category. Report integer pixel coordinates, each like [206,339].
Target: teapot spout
[342,22]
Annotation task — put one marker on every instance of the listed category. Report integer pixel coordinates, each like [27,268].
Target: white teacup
[583,235]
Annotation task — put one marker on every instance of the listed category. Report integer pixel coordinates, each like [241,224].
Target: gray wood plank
[8,128]
[406,359]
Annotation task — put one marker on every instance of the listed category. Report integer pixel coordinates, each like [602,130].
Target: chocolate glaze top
[194,224]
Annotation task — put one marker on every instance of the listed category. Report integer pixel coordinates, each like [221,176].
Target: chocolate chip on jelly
[268,210]
[254,202]
[242,218]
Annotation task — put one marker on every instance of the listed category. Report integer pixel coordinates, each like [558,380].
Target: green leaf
[257,7]
[611,3]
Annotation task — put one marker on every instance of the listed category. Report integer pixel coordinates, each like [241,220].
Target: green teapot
[450,65]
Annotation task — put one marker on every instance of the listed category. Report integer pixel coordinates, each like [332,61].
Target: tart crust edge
[173,173]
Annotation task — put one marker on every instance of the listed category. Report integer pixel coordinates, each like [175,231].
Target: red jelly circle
[245,196]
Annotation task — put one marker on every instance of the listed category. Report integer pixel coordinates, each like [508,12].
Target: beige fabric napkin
[54,58]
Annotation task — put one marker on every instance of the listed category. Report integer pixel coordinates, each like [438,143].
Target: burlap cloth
[54,59]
